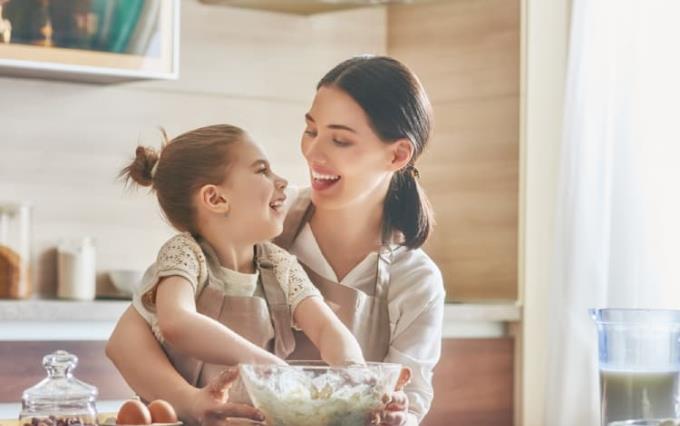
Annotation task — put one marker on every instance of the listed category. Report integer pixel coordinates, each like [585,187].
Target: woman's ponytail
[407,209]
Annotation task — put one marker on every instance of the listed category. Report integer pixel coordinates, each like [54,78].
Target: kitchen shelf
[37,319]
[94,66]
[61,310]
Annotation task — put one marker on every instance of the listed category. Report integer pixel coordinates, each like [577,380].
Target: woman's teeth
[319,176]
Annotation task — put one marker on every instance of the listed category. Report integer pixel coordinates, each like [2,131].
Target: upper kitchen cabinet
[99,41]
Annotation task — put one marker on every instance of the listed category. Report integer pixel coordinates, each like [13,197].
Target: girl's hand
[210,406]
[395,412]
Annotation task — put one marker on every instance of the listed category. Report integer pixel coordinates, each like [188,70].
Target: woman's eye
[341,143]
[310,133]
[263,170]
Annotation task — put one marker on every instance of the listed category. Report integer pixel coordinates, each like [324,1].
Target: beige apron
[363,311]
[265,322]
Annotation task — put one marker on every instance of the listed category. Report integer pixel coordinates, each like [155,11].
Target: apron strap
[296,218]
[284,341]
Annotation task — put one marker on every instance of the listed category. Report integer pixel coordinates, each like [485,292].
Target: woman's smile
[323,178]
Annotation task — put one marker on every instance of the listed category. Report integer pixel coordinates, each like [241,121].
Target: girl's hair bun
[140,170]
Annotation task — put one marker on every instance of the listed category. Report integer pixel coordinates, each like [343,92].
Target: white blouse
[415,303]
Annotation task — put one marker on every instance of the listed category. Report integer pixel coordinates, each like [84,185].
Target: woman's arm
[335,342]
[416,306]
[133,360]
[205,406]
[198,335]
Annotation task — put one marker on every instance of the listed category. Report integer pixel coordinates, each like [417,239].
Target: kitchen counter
[10,412]
[71,320]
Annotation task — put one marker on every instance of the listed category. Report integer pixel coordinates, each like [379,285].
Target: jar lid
[60,386]
[13,207]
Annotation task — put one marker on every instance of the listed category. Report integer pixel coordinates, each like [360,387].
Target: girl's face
[348,162]
[254,194]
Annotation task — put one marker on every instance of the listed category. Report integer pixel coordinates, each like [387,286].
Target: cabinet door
[473,383]
[21,367]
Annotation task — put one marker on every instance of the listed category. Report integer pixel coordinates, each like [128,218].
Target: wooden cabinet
[21,367]
[473,383]
[145,46]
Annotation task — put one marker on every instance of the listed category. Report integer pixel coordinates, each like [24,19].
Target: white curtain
[618,207]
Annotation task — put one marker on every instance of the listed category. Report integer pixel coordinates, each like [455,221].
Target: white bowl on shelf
[125,280]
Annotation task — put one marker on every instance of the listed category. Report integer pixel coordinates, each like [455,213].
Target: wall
[62,144]
[468,58]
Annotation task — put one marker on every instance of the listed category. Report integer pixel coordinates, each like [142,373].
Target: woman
[357,231]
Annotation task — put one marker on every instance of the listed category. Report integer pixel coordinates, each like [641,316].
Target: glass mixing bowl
[308,393]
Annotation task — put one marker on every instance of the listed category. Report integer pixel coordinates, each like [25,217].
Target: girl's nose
[281,183]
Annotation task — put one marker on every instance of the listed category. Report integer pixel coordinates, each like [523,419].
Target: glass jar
[15,250]
[60,399]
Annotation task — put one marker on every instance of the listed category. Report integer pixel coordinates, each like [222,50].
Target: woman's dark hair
[397,107]
[191,160]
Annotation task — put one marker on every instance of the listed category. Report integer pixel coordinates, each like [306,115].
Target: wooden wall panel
[21,367]
[473,383]
[466,54]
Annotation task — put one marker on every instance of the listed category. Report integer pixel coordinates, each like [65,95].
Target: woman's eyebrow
[331,126]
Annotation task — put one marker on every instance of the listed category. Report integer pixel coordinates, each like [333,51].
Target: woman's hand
[395,412]
[210,406]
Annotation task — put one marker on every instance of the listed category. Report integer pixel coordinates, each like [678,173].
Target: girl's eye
[263,170]
[310,133]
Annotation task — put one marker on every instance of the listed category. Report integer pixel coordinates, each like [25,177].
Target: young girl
[218,293]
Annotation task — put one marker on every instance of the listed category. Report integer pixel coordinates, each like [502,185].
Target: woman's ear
[214,199]
[402,153]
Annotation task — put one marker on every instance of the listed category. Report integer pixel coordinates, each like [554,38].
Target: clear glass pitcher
[639,357]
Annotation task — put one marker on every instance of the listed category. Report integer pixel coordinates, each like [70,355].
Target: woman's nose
[311,149]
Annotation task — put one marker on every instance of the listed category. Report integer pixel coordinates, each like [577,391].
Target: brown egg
[162,412]
[133,412]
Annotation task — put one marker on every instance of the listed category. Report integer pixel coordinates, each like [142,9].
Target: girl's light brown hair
[182,166]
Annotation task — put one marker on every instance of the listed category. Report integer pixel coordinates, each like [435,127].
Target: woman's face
[255,193]
[348,162]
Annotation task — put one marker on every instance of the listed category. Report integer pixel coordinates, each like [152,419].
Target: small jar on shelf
[15,250]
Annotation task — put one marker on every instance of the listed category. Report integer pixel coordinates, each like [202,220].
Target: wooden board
[467,54]
[473,383]
[21,367]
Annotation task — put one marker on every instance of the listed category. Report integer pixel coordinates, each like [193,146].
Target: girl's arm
[198,335]
[335,342]
[133,348]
